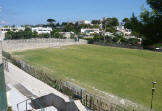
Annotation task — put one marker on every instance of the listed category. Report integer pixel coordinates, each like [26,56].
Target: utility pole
[153,90]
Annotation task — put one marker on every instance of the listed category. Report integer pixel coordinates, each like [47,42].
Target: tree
[133,41]
[9,35]
[44,35]
[98,37]
[56,34]
[151,23]
[134,23]
[35,34]
[110,29]
[117,38]
[27,33]
[114,22]
[58,24]
[125,20]
[69,27]
[127,23]
[111,22]
[51,22]
[96,22]
[156,5]
[64,23]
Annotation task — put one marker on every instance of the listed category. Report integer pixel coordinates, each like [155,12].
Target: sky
[21,12]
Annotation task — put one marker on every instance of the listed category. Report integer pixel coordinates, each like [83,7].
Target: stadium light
[153,90]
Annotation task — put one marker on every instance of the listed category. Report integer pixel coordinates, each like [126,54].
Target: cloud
[3,22]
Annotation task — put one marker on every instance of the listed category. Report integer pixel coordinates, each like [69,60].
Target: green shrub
[98,37]
[133,41]
[158,45]
[116,39]
[90,40]
[124,40]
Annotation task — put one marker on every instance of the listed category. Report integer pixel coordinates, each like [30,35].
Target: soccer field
[126,73]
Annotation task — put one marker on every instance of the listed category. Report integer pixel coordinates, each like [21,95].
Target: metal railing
[26,107]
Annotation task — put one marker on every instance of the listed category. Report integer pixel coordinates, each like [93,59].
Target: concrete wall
[2,35]
[59,103]
[24,44]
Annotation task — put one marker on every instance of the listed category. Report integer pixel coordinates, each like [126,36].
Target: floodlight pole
[153,90]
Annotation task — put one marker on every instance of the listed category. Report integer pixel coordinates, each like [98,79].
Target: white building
[42,30]
[132,37]
[126,32]
[90,31]
[4,30]
[67,34]
[14,29]
[107,34]
[2,36]
[84,22]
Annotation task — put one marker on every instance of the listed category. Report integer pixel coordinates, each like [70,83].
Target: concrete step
[51,108]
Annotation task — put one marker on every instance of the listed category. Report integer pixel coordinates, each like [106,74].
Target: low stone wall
[24,44]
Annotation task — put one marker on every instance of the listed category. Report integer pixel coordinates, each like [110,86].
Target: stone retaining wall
[24,44]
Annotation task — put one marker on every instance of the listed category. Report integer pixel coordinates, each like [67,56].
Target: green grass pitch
[124,72]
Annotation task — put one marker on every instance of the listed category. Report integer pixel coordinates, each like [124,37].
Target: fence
[16,45]
[91,101]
